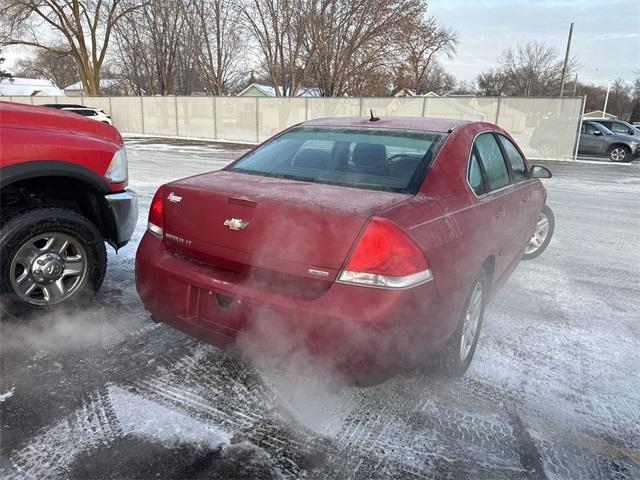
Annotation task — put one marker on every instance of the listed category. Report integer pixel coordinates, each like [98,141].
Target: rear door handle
[500,212]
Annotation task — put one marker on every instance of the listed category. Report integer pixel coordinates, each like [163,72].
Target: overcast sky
[606,34]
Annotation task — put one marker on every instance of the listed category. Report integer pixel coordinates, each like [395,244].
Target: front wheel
[618,153]
[542,234]
[49,256]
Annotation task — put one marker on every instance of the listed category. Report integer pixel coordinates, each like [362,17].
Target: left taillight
[154,225]
[385,257]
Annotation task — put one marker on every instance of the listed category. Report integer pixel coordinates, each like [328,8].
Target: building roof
[270,91]
[18,86]
[104,83]
[406,123]
[599,114]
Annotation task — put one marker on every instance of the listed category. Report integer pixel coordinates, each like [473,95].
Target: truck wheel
[456,356]
[620,153]
[48,257]
[545,226]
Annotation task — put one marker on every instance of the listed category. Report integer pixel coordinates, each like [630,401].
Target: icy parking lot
[553,392]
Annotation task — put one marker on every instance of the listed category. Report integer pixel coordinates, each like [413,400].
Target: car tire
[49,257]
[541,236]
[620,153]
[454,359]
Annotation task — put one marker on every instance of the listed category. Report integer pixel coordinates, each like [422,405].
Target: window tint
[475,175]
[515,159]
[589,128]
[620,128]
[492,161]
[382,159]
[85,113]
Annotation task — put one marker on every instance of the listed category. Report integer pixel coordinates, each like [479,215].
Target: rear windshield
[380,159]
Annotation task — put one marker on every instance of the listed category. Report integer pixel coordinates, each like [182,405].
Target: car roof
[402,123]
[64,105]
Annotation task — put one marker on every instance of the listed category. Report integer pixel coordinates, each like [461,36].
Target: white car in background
[89,112]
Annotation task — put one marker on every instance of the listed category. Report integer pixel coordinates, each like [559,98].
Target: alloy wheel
[48,269]
[539,235]
[471,321]
[618,154]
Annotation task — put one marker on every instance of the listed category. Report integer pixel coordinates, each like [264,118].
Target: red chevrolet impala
[368,244]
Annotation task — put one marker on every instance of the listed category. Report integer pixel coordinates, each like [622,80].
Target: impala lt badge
[173,198]
[235,223]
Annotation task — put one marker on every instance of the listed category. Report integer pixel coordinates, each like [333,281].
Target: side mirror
[597,132]
[538,171]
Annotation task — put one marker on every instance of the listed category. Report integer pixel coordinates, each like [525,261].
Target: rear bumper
[364,334]
[124,209]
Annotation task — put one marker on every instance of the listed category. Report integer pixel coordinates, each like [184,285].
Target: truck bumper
[124,208]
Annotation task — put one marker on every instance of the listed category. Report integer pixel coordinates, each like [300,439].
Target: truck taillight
[154,225]
[385,257]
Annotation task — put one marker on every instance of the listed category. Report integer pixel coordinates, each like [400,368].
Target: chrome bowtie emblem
[235,223]
[173,198]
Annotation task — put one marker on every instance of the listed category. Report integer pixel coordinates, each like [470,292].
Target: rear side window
[515,159]
[475,175]
[492,161]
[85,113]
[380,159]
[619,128]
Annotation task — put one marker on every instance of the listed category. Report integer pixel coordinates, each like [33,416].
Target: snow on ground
[551,394]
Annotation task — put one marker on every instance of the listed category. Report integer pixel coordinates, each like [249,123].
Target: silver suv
[619,126]
[598,140]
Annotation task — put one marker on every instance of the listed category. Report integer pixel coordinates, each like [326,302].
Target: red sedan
[366,245]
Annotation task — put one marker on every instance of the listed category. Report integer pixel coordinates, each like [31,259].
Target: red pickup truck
[63,193]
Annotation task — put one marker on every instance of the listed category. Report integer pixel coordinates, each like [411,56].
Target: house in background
[108,86]
[29,87]
[405,92]
[599,114]
[258,90]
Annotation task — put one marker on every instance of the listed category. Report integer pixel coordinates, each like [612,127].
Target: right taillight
[385,257]
[154,225]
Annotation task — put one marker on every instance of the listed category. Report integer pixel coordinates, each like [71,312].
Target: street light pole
[566,60]
[606,100]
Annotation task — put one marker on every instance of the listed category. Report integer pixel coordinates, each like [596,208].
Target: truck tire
[49,257]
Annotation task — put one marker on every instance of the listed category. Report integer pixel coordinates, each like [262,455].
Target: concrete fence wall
[543,127]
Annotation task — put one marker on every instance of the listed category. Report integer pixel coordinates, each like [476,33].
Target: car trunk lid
[252,224]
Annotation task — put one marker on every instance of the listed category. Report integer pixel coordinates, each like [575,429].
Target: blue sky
[606,34]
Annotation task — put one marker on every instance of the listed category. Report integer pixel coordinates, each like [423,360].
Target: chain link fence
[545,128]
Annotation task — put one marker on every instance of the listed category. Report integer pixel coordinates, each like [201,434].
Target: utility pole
[606,100]
[566,60]
[575,85]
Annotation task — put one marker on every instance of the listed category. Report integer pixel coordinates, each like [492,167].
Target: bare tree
[347,42]
[215,26]
[279,27]
[80,28]
[420,43]
[4,75]
[148,41]
[529,70]
[59,68]
[620,98]
[492,82]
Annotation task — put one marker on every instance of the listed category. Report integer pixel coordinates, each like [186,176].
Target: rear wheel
[457,354]
[48,257]
[619,153]
[541,235]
